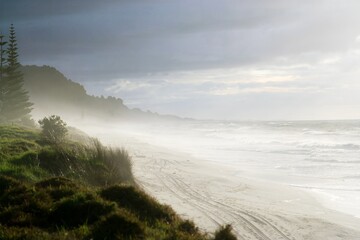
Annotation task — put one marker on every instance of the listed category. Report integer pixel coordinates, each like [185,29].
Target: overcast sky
[219,59]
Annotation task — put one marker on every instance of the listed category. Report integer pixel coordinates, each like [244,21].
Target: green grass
[78,190]
[25,155]
[50,208]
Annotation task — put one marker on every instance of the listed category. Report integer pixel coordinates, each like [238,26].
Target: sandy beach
[211,195]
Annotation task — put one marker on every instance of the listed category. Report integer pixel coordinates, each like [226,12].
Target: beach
[213,194]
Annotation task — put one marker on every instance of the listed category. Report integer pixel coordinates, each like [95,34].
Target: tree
[2,63]
[2,54]
[15,100]
[53,129]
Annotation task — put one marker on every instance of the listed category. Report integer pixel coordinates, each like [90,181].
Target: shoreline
[212,194]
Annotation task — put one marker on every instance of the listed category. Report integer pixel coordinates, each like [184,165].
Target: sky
[207,59]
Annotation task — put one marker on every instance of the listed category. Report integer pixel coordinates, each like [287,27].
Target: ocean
[322,157]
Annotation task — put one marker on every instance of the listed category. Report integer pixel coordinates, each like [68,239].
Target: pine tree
[2,63]
[2,54]
[16,105]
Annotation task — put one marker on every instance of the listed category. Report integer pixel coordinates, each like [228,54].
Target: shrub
[52,161]
[53,129]
[16,146]
[188,226]
[14,193]
[28,158]
[32,212]
[78,210]
[224,233]
[58,187]
[23,173]
[7,183]
[21,205]
[138,202]
[120,225]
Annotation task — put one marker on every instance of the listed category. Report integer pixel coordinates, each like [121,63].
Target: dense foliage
[59,208]
[53,129]
[224,233]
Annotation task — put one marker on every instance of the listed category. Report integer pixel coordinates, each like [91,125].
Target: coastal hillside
[53,93]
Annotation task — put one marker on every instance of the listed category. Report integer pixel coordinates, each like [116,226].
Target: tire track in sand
[249,225]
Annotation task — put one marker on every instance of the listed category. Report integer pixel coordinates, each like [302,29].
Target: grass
[145,207]
[25,155]
[78,190]
[52,207]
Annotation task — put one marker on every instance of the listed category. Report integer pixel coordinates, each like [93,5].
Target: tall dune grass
[117,163]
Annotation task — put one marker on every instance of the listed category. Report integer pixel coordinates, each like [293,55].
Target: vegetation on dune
[53,129]
[69,190]
[28,155]
[225,233]
[56,208]
[59,208]
[144,206]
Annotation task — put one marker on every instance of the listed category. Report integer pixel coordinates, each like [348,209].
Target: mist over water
[319,156]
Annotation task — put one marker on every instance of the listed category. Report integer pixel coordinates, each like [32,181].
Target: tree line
[14,99]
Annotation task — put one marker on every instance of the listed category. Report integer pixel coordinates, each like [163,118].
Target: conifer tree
[2,54]
[2,63]
[16,105]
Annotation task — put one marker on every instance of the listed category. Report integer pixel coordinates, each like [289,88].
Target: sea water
[318,156]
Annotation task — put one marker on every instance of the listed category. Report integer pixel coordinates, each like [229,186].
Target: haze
[247,60]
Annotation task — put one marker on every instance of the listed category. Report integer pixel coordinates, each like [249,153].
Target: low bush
[12,147]
[59,208]
[14,193]
[28,158]
[53,129]
[79,209]
[118,226]
[188,226]
[138,202]
[58,188]
[225,233]
[7,183]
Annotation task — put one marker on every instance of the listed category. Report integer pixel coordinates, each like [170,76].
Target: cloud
[138,37]
[125,85]
[20,10]
[165,54]
[269,89]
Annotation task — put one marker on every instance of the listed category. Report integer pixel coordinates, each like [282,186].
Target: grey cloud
[19,10]
[151,36]
[142,40]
